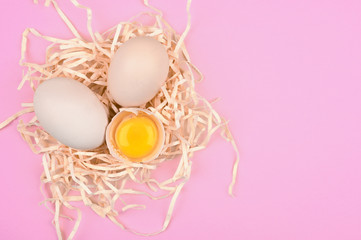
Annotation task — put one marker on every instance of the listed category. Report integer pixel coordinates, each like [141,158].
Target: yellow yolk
[136,137]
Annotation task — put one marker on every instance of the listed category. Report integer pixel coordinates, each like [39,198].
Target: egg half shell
[124,114]
[71,113]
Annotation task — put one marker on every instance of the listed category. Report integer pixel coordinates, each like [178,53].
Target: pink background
[288,74]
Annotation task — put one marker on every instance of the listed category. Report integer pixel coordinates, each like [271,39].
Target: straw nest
[95,177]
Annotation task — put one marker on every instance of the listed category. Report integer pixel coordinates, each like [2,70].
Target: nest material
[95,177]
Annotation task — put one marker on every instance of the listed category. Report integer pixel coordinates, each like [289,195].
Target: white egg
[70,112]
[137,71]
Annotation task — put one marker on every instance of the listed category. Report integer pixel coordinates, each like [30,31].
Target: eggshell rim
[160,143]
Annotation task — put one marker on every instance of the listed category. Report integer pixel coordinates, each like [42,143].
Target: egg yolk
[136,137]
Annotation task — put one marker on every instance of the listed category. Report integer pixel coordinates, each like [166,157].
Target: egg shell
[71,113]
[124,114]
[137,71]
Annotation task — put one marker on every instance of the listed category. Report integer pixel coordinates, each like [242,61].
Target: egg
[135,135]
[71,113]
[137,71]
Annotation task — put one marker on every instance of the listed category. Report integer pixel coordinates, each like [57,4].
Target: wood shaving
[95,177]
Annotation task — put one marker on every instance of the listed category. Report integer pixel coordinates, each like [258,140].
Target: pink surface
[288,74]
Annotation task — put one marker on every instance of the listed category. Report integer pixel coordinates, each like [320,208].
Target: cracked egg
[135,135]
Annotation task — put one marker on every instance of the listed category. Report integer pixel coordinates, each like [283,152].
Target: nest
[95,177]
